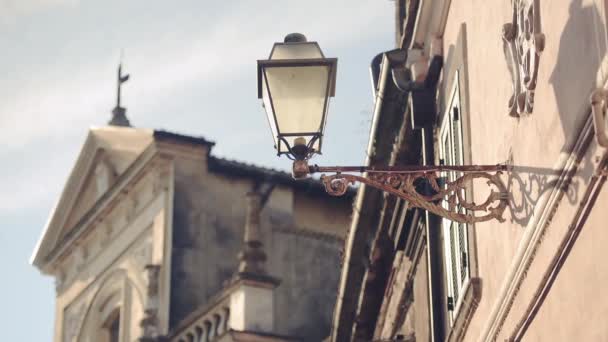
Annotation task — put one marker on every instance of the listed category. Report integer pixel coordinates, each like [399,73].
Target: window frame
[451,325]
[447,136]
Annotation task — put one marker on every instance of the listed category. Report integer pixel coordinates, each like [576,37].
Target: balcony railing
[207,325]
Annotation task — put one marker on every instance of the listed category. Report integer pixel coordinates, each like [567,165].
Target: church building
[156,239]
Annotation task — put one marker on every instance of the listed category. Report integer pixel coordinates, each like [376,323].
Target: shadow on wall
[528,184]
[582,46]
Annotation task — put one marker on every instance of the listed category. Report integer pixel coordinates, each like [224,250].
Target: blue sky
[193,71]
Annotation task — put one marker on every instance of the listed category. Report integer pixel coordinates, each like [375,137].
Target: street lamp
[295,84]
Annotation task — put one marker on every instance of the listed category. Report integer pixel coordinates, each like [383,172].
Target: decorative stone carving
[157,180]
[150,322]
[143,255]
[143,196]
[81,255]
[523,44]
[131,206]
[105,230]
[599,107]
[252,257]
[159,177]
[73,320]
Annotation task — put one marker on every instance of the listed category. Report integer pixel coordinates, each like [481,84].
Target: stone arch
[115,294]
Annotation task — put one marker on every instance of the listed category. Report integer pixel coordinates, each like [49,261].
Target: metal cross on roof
[119,117]
[121,79]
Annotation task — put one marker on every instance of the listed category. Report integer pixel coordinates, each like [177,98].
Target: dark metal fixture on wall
[295,84]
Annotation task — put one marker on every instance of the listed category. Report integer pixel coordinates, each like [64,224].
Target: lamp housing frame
[301,152]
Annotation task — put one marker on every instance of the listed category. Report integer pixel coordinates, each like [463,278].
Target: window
[456,256]
[112,327]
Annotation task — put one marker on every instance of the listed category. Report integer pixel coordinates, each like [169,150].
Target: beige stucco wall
[576,307]
[575,45]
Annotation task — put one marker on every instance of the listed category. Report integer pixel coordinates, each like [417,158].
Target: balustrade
[208,327]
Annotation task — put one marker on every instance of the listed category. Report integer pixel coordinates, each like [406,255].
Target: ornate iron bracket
[445,198]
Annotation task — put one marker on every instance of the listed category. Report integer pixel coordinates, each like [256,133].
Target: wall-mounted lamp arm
[423,186]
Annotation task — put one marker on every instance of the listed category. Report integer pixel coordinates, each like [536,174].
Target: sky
[193,71]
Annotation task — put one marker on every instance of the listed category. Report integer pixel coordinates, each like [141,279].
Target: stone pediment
[105,155]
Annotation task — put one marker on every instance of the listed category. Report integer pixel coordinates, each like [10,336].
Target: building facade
[156,239]
[520,82]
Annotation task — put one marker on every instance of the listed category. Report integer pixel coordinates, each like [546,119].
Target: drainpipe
[366,202]
[338,328]
[374,72]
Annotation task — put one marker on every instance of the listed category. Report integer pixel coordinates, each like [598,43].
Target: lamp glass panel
[298,97]
[269,112]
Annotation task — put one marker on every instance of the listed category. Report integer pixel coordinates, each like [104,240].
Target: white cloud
[229,47]
[12,9]
[58,104]
[35,178]
[49,97]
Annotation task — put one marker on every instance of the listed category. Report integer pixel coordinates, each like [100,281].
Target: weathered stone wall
[208,223]
[308,266]
[320,213]
[207,235]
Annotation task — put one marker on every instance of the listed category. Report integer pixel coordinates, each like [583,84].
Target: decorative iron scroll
[448,200]
[523,44]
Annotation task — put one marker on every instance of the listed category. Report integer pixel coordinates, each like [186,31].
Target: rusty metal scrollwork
[447,200]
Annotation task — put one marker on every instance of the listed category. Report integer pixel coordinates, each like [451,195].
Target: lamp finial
[295,38]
